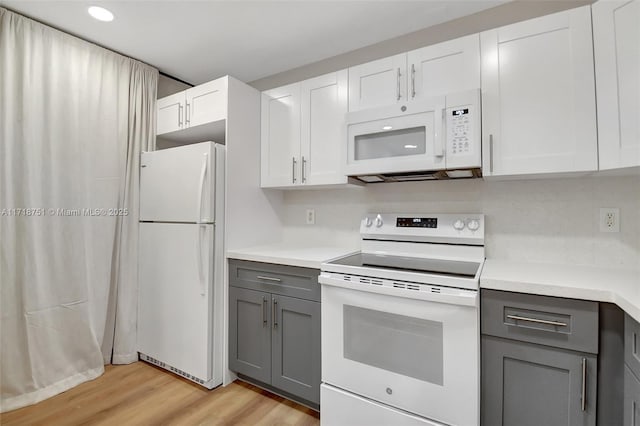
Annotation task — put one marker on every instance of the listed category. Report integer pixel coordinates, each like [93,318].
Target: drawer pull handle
[260,277]
[536,320]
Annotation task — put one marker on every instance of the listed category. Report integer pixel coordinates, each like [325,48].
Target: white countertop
[290,254]
[619,286]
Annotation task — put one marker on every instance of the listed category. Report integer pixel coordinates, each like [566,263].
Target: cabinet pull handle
[260,277]
[584,384]
[304,165]
[413,81]
[264,311]
[536,320]
[179,115]
[293,170]
[398,84]
[275,313]
[187,118]
[491,153]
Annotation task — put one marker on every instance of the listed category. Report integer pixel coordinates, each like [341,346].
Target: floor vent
[171,368]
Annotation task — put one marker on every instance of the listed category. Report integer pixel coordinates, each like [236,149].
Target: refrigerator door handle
[203,290]
[203,173]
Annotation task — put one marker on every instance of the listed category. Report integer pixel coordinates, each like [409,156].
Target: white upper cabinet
[323,138]
[206,103]
[538,96]
[378,83]
[280,140]
[616,40]
[201,110]
[303,132]
[444,68]
[440,69]
[170,115]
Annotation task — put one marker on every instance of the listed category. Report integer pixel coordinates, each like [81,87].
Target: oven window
[401,344]
[394,143]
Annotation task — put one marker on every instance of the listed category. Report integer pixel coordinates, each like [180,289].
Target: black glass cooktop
[454,268]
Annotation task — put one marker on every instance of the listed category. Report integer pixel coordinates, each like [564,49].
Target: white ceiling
[197,41]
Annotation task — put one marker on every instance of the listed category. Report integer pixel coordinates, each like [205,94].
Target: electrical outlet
[609,220]
[311,217]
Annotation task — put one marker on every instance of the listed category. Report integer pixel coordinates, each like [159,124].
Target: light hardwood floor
[141,394]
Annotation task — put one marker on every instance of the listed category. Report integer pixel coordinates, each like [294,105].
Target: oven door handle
[459,298]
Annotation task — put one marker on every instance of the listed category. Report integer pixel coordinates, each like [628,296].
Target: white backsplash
[550,220]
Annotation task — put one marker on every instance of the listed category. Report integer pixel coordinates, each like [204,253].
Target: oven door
[390,140]
[417,355]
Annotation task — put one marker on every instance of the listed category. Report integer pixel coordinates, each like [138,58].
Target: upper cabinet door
[378,83]
[324,105]
[280,139]
[444,68]
[616,41]
[538,96]
[170,113]
[206,103]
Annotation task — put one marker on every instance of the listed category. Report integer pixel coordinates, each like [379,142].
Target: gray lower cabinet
[539,358]
[631,413]
[250,333]
[631,398]
[295,354]
[524,384]
[274,337]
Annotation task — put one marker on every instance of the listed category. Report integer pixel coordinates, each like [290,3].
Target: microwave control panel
[459,131]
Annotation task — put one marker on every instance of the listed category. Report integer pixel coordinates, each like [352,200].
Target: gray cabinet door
[631,398]
[250,333]
[296,347]
[531,385]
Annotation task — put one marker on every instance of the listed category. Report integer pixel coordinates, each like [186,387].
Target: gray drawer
[552,321]
[277,279]
[632,344]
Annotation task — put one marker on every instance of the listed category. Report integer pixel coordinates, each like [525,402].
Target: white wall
[554,220]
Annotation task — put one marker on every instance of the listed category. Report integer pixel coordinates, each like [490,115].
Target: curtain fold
[73,120]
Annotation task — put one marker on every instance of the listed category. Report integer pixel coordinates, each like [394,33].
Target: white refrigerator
[181,253]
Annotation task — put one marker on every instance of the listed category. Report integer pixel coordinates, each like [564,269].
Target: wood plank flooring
[141,394]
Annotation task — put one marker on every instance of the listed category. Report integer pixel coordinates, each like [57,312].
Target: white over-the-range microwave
[431,138]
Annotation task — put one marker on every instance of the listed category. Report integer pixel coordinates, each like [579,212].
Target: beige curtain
[73,120]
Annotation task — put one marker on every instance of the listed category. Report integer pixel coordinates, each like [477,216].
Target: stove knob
[458,225]
[367,222]
[378,221]
[473,225]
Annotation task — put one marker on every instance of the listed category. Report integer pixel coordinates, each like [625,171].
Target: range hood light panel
[371,179]
[387,127]
[455,174]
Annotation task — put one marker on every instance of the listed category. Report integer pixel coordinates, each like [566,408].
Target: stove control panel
[417,222]
[432,227]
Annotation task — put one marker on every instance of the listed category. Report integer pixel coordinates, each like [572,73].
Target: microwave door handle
[440,136]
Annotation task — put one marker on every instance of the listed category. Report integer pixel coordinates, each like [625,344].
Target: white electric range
[400,323]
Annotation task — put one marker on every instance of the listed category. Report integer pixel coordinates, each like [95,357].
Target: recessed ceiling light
[100,13]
